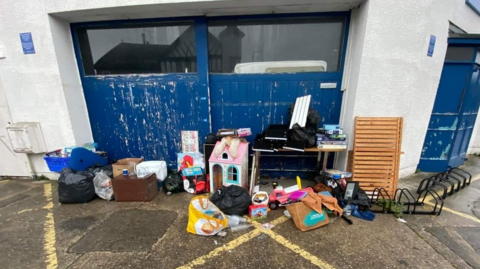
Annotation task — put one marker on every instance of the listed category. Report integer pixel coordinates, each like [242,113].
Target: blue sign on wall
[431,45]
[27,43]
[474,4]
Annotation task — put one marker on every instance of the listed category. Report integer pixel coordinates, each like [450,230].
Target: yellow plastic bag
[204,218]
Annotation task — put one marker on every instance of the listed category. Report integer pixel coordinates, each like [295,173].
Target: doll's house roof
[241,151]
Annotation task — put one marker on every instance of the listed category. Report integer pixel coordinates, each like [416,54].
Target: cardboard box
[134,189]
[123,164]
[305,218]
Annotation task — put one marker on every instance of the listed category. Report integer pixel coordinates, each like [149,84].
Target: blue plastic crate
[56,164]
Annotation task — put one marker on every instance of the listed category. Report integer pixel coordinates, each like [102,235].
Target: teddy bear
[231,142]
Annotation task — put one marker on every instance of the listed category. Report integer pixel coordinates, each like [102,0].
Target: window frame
[201,33]
[340,14]
[233,173]
[277,20]
[82,29]
[460,44]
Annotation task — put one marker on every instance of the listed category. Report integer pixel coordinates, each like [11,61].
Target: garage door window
[138,48]
[288,45]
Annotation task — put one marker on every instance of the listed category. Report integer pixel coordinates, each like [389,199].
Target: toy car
[280,196]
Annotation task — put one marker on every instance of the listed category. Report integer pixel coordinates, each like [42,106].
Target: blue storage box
[56,164]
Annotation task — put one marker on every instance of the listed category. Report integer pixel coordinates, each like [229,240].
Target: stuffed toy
[231,142]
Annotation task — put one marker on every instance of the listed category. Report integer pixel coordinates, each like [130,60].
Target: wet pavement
[37,233]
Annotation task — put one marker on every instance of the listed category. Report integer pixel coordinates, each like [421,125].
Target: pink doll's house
[226,170]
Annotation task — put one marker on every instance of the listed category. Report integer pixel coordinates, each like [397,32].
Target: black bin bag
[173,182]
[75,186]
[313,117]
[304,135]
[232,200]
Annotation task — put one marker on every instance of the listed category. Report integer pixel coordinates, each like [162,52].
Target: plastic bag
[75,187]
[232,200]
[173,182]
[158,167]
[103,186]
[107,170]
[305,135]
[204,218]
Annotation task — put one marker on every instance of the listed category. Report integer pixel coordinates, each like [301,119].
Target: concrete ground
[38,232]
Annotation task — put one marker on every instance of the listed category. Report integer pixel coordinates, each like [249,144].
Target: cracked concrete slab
[126,230]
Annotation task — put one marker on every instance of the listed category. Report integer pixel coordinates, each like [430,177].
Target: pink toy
[297,195]
[280,196]
[227,170]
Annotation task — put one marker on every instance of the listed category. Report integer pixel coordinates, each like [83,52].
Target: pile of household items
[222,172]
[309,207]
[86,173]
[234,197]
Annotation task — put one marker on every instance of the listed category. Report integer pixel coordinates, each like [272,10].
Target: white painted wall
[71,85]
[394,77]
[33,84]
[92,10]
[11,163]
[353,65]
[474,146]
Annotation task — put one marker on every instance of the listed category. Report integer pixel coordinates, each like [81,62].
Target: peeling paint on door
[146,119]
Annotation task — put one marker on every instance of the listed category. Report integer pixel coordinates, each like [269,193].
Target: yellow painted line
[279,221]
[429,201]
[25,210]
[293,247]
[430,198]
[275,222]
[455,212]
[229,246]
[4,181]
[250,235]
[297,249]
[49,229]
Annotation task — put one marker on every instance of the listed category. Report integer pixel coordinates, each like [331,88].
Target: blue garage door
[259,65]
[145,81]
[455,109]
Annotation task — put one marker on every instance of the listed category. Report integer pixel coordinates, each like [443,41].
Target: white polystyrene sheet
[300,111]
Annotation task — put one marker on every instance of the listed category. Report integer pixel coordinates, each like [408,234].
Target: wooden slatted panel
[376,153]
[350,161]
